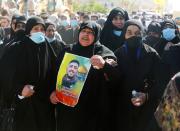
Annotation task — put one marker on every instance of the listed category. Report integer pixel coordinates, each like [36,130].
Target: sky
[176,4]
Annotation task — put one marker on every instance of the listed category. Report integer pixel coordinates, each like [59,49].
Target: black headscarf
[133,44]
[115,12]
[26,56]
[33,21]
[173,25]
[107,36]
[150,39]
[14,17]
[154,27]
[48,23]
[88,51]
[95,47]
[132,22]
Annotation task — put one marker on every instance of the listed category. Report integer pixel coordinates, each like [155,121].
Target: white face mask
[51,39]
[37,37]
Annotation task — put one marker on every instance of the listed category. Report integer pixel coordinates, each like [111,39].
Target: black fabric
[154,27]
[20,19]
[90,113]
[143,74]
[160,46]
[18,36]
[7,119]
[48,23]
[170,23]
[173,25]
[140,69]
[70,35]
[14,17]
[107,36]
[152,41]
[132,22]
[33,21]
[10,36]
[57,46]
[171,60]
[28,63]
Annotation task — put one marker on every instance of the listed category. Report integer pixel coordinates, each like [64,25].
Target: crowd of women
[126,58]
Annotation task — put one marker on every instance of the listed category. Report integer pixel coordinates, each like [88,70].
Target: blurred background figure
[4,21]
[111,35]
[153,34]
[50,32]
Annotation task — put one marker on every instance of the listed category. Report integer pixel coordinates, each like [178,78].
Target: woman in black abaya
[27,77]
[90,112]
[111,35]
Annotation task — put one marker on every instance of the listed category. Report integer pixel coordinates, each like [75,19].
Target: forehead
[38,26]
[118,17]
[87,29]
[73,63]
[51,27]
[133,28]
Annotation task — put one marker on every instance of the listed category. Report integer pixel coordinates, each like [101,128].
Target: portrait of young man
[71,76]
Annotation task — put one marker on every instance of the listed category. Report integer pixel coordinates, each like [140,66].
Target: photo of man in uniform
[71,76]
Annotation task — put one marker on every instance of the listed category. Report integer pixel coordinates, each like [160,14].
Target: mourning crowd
[125,55]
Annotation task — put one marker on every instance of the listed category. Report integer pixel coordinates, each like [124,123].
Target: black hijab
[173,25]
[14,17]
[107,36]
[95,47]
[133,45]
[151,40]
[48,23]
[163,42]
[26,62]
[33,21]
[132,22]
[129,23]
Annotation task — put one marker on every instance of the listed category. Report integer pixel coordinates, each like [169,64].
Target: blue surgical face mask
[117,32]
[74,23]
[37,37]
[64,23]
[169,34]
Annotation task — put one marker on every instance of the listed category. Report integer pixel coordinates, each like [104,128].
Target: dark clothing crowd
[130,69]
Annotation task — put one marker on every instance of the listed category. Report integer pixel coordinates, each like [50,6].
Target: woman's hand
[97,61]
[53,98]
[27,91]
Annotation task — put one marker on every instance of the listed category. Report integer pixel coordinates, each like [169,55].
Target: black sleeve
[158,73]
